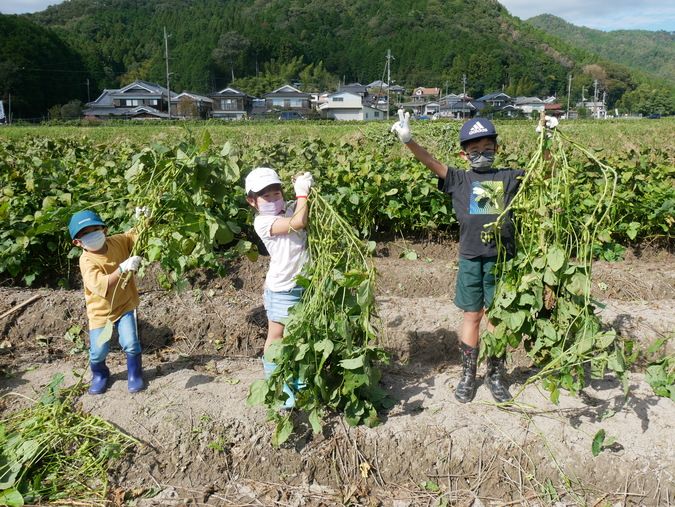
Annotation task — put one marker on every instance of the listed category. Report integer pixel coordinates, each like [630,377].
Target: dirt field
[201,443]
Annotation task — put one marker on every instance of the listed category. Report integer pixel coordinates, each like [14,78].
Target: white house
[596,109]
[528,105]
[349,106]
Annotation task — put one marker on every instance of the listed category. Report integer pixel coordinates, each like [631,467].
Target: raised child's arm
[286,225]
[421,154]
[402,129]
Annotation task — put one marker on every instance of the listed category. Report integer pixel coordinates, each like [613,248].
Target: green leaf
[352,364]
[410,255]
[598,441]
[579,285]
[257,392]
[325,347]
[273,352]
[555,257]
[11,497]
[632,230]
[282,431]
[605,339]
[106,334]
[550,277]
[615,362]
[302,350]
[9,468]
[315,421]
[431,486]
[205,142]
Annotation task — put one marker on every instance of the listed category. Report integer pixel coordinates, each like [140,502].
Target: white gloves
[141,211]
[550,122]
[402,127]
[302,184]
[131,264]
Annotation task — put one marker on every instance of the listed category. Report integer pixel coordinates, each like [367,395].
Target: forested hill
[433,41]
[37,68]
[649,52]
[263,43]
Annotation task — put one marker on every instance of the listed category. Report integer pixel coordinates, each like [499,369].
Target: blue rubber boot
[268,370]
[99,379]
[135,373]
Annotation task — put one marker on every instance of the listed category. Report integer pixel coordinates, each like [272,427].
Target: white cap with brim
[261,177]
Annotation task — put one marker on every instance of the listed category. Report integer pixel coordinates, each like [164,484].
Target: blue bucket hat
[82,219]
[475,129]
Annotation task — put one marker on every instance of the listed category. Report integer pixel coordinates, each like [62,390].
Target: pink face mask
[271,208]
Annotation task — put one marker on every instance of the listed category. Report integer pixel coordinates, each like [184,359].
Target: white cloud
[22,6]
[601,14]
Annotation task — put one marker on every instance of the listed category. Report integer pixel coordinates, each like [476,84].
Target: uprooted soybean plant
[543,295]
[329,340]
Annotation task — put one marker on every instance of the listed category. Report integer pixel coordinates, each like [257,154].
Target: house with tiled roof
[231,104]
[138,100]
[529,105]
[288,98]
[191,105]
[424,94]
[496,99]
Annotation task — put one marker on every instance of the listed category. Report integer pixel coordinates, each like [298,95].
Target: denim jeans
[127,330]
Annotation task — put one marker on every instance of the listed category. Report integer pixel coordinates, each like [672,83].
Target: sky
[598,14]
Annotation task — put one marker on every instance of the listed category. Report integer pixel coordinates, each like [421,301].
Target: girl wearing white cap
[281,227]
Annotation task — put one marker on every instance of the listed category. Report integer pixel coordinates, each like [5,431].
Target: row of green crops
[369,178]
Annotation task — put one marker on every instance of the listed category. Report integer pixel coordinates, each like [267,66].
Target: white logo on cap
[84,220]
[477,129]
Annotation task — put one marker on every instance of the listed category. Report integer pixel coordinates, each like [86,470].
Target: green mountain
[37,68]
[650,52]
[264,42]
[433,41]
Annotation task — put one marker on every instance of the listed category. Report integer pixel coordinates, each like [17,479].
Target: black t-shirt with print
[478,198]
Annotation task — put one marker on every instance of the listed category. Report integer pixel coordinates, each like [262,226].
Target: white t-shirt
[288,252]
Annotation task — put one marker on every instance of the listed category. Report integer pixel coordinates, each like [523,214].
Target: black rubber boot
[495,380]
[466,387]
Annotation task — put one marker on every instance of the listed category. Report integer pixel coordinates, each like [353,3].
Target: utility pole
[9,109]
[88,97]
[595,99]
[569,92]
[166,57]
[389,58]
[463,94]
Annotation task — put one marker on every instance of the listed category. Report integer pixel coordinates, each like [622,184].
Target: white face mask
[271,208]
[93,241]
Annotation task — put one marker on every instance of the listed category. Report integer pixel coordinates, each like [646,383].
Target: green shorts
[475,283]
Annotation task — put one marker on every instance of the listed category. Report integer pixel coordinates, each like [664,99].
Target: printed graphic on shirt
[487,198]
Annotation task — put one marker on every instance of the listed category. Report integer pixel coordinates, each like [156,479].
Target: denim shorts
[277,303]
[475,283]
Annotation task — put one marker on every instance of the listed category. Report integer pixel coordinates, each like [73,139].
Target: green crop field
[612,135]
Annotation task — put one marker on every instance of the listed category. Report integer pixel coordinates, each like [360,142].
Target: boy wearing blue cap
[478,197]
[102,263]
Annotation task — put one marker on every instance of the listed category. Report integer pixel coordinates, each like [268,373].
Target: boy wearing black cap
[102,263]
[478,197]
